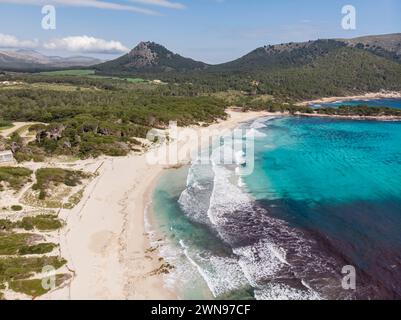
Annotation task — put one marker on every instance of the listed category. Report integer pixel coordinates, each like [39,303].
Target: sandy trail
[17,125]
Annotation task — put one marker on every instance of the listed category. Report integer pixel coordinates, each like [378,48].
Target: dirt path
[17,125]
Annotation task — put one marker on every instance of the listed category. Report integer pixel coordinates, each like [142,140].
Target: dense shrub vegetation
[361,110]
[98,116]
[44,222]
[18,271]
[5,124]
[46,177]
[97,121]
[295,70]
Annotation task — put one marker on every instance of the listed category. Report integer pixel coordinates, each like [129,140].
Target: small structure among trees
[6,157]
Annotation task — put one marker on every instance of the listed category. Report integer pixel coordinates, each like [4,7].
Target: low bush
[14,177]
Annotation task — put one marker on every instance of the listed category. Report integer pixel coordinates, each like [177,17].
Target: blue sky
[209,30]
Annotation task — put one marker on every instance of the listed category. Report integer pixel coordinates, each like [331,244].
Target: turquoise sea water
[324,194]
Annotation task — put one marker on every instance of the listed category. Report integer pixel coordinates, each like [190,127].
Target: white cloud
[161,3]
[85,44]
[85,3]
[9,41]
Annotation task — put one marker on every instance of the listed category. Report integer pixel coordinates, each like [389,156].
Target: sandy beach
[105,240]
[367,96]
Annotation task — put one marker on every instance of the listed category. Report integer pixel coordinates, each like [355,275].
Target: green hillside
[293,70]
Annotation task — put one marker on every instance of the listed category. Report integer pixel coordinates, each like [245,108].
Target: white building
[6,157]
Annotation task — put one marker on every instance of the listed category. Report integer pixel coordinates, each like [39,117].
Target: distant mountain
[30,59]
[150,57]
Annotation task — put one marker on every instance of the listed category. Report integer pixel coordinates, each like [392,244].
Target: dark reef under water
[324,194]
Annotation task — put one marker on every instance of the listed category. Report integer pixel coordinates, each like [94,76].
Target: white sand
[105,241]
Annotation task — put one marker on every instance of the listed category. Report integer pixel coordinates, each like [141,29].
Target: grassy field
[82,72]
[90,74]
[132,80]
[45,86]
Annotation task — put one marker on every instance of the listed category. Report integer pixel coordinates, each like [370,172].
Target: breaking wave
[265,255]
[236,246]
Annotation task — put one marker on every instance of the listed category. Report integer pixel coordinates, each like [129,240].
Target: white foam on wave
[226,197]
[258,124]
[228,154]
[209,190]
[260,261]
[241,183]
[248,265]
[280,291]
[178,276]
[221,274]
[192,180]
[240,158]
[254,133]
[185,267]
[171,254]
[194,200]
[261,122]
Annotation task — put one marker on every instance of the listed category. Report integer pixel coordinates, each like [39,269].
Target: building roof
[6,153]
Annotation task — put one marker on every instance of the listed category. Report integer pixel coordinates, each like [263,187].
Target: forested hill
[149,57]
[312,69]
[321,69]
[296,70]
[276,57]
[388,46]
[299,54]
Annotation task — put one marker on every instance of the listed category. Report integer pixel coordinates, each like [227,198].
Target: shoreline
[366,96]
[105,240]
[353,117]
[110,251]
